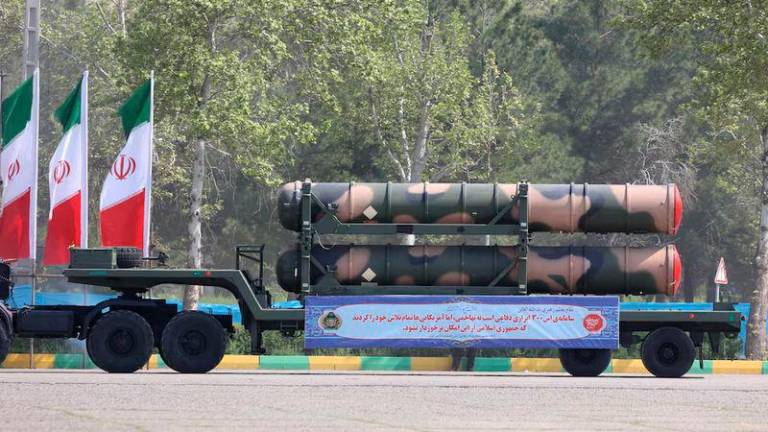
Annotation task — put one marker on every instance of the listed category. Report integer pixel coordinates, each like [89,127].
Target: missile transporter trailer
[121,333]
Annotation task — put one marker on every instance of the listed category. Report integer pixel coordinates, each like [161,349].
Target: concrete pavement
[90,400]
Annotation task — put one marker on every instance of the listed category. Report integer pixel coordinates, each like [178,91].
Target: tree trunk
[756,338]
[192,292]
[418,161]
[420,152]
[691,280]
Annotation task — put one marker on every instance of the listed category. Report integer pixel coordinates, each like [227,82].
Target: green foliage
[46,346]
[208,72]
[285,90]
[449,90]
[731,84]
[240,342]
[11,34]
[729,38]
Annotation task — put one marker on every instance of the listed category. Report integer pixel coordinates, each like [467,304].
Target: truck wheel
[127,257]
[668,352]
[6,328]
[585,362]
[5,341]
[193,342]
[120,342]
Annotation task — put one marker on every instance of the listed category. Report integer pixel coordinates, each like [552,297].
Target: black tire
[128,257]
[585,362]
[193,342]
[120,342]
[668,352]
[5,341]
[6,330]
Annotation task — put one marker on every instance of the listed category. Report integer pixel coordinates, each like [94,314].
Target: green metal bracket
[522,248]
[306,235]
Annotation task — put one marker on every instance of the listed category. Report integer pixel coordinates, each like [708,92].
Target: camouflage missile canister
[551,270]
[551,207]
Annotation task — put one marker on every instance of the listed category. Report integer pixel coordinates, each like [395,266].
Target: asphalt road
[165,401]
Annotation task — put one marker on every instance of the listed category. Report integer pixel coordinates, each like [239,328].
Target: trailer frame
[258,316]
[669,336]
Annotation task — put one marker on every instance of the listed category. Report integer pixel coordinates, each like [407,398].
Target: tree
[11,35]
[11,31]
[209,70]
[390,94]
[732,84]
[596,89]
[431,116]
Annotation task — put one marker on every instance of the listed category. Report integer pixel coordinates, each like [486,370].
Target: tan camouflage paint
[353,263]
[564,207]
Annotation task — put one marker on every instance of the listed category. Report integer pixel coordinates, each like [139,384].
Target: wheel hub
[668,353]
[121,341]
[193,342]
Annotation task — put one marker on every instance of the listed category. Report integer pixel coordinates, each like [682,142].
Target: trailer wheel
[193,342]
[128,257]
[120,342]
[668,352]
[585,362]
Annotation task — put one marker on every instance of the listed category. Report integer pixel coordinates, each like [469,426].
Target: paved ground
[270,401]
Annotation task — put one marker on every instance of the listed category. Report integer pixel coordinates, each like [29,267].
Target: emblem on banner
[61,171]
[594,323]
[123,167]
[14,169]
[330,321]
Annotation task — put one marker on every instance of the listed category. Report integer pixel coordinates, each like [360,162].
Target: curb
[366,363]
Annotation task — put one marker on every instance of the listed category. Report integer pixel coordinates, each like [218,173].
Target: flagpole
[31,37]
[33,200]
[148,200]
[84,182]
[2,96]
[2,123]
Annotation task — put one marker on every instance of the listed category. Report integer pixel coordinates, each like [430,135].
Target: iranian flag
[68,179]
[126,196]
[18,165]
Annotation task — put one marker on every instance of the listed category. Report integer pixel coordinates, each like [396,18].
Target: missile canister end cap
[678,212]
[288,202]
[286,270]
[677,270]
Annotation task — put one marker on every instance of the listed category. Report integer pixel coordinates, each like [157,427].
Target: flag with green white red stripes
[126,196]
[18,167]
[68,179]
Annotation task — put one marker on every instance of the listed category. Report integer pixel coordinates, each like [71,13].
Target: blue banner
[461,322]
